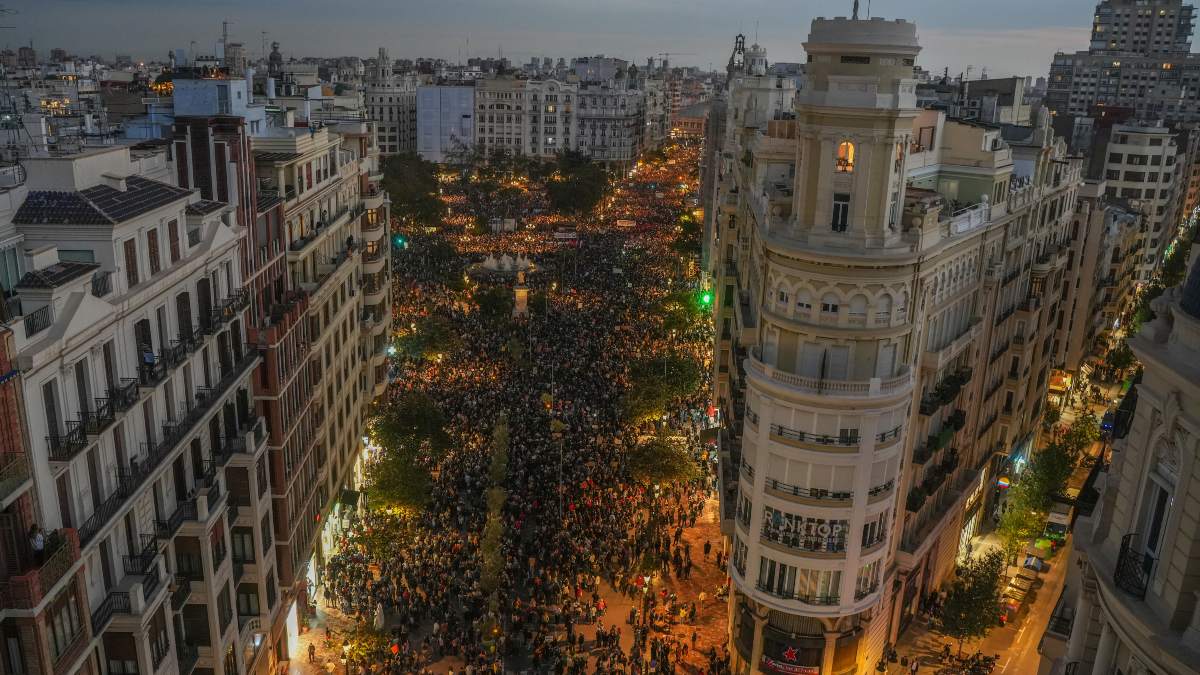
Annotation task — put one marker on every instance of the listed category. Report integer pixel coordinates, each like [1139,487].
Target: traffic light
[400,241]
[706,298]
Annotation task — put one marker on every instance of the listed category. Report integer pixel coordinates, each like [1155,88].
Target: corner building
[871,258]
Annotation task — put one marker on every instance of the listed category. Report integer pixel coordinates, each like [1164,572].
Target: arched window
[883,311]
[829,304]
[845,157]
[803,301]
[858,307]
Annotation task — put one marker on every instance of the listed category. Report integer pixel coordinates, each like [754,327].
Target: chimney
[41,258]
[114,181]
[270,89]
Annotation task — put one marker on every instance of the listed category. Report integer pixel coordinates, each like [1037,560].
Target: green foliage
[411,183]
[434,335]
[495,303]
[1046,476]
[1120,358]
[679,311]
[972,602]
[578,184]
[408,431]
[1051,417]
[655,383]
[662,459]
[396,479]
[410,420]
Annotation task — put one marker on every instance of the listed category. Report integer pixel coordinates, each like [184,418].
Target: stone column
[756,651]
[830,649]
[1106,650]
[1079,629]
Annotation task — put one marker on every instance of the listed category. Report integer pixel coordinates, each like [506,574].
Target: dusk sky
[1009,37]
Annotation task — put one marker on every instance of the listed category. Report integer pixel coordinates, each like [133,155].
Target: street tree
[495,303]
[412,186]
[656,383]
[972,604]
[661,459]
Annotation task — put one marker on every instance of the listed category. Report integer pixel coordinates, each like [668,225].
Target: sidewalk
[1016,643]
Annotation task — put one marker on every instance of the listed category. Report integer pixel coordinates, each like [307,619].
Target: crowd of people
[577,529]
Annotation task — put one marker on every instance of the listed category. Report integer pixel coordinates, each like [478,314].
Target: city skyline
[1016,38]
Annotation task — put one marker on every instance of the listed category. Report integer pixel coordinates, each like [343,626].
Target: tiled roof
[56,275]
[99,205]
[204,207]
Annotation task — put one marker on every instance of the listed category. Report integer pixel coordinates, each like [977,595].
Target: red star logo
[789,654]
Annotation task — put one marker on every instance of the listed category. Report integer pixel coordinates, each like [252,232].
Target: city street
[598,571]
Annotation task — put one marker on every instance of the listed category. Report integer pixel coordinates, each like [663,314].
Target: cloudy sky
[1008,37]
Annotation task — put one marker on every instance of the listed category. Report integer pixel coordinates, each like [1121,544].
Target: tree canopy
[657,382]
[972,602]
[433,335]
[661,459]
[577,184]
[411,183]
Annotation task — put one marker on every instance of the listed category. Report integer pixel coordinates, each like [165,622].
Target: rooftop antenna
[264,45]
[756,31]
[854,16]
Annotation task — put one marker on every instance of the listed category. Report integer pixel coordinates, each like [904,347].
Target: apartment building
[534,118]
[391,102]
[43,618]
[1142,166]
[136,383]
[610,121]
[1139,57]
[888,286]
[325,335]
[1133,609]
[445,120]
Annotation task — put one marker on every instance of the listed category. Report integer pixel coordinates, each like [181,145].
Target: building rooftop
[56,275]
[205,207]
[99,205]
[276,156]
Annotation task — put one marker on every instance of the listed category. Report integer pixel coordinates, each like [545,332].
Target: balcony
[834,545]
[165,530]
[936,359]
[101,284]
[116,601]
[808,599]
[303,245]
[13,474]
[38,320]
[181,590]
[59,554]
[128,480]
[826,440]
[187,656]
[842,498]
[125,396]
[64,447]
[1132,573]
[945,391]
[817,386]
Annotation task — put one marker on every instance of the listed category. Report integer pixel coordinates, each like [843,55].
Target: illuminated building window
[845,157]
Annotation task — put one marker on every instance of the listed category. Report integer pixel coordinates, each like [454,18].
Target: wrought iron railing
[806,598]
[810,543]
[116,601]
[810,493]
[63,447]
[819,439]
[1132,573]
[38,320]
[101,283]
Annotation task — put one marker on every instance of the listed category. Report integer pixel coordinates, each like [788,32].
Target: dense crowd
[575,524]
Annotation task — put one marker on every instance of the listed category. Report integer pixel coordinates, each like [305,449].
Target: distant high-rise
[1139,57]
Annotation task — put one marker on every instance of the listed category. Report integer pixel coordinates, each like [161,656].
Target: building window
[152,249]
[64,625]
[841,211]
[845,157]
[131,264]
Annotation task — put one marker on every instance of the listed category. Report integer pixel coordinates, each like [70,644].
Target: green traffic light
[706,299]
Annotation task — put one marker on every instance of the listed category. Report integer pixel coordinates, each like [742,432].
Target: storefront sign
[771,665]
